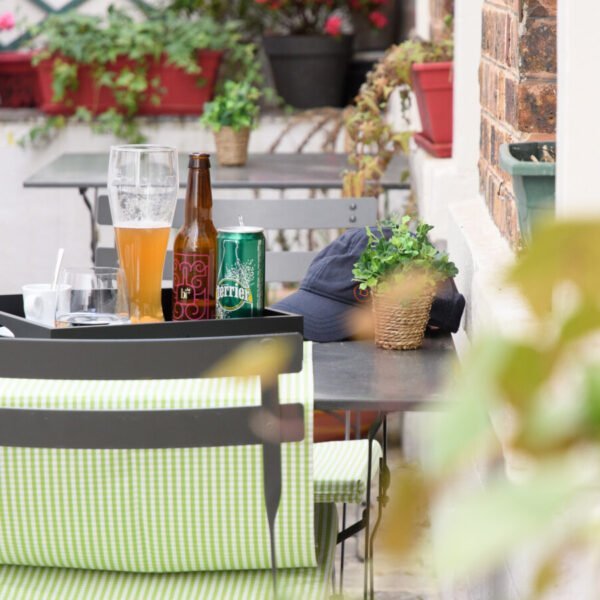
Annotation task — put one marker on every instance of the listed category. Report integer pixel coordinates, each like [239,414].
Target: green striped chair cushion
[39,583]
[166,510]
[341,470]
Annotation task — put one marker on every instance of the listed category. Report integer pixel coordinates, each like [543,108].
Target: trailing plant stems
[88,40]
[373,140]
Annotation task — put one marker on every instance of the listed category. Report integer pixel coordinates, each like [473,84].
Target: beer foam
[142,225]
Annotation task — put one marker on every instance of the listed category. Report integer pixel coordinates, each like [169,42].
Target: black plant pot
[309,70]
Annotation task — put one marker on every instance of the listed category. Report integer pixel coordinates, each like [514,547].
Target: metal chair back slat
[278,214]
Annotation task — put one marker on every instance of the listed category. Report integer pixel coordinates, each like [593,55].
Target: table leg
[347,429]
[368,576]
[94,240]
[382,500]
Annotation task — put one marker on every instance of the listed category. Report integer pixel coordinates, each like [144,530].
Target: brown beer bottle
[195,248]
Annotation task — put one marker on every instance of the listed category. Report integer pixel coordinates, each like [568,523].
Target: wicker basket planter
[232,146]
[400,324]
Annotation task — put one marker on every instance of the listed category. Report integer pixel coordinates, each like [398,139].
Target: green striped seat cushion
[166,510]
[341,470]
[39,583]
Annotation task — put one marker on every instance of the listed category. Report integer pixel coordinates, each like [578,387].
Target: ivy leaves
[120,51]
[390,257]
[237,107]
[373,139]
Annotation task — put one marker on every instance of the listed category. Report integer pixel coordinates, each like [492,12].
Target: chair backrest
[230,426]
[289,266]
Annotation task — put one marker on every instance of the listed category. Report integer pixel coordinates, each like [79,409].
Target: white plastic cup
[40,302]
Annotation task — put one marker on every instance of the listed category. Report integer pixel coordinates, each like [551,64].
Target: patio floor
[395,579]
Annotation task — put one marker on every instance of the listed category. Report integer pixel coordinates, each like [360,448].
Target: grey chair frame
[283,267]
[146,429]
[305,213]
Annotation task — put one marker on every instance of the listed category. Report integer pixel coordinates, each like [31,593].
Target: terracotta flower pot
[182,95]
[232,146]
[18,81]
[330,426]
[433,87]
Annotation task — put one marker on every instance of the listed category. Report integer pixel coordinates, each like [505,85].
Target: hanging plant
[124,57]
[373,140]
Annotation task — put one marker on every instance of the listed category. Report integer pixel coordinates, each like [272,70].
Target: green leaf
[463,429]
[400,254]
[523,372]
[564,251]
[486,526]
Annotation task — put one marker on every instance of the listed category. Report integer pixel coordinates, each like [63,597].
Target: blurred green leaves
[482,527]
[541,391]
[564,252]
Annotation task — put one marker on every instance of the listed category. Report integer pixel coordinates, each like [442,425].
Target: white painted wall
[577,119]
[27,13]
[422,19]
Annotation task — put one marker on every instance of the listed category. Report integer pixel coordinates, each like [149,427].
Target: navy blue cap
[327,294]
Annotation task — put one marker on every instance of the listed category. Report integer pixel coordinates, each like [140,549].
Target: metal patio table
[312,171]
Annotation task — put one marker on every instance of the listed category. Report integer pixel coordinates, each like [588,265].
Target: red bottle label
[193,285]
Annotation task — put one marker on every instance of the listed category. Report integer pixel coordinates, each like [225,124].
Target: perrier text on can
[240,272]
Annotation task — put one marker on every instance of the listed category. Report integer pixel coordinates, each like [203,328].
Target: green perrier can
[240,272]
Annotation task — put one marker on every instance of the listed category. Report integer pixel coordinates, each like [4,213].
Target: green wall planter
[534,183]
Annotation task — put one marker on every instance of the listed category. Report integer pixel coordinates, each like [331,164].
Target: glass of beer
[143,183]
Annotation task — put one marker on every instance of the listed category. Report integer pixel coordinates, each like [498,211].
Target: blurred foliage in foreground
[544,387]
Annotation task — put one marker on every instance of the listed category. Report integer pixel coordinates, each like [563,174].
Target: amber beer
[142,252]
[195,248]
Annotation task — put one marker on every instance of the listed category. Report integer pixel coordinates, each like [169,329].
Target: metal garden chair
[343,470]
[74,463]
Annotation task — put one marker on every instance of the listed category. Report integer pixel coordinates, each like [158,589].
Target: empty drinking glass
[96,296]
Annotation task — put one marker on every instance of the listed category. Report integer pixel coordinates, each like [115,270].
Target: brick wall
[438,11]
[518,92]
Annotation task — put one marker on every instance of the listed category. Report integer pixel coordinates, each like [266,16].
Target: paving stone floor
[395,579]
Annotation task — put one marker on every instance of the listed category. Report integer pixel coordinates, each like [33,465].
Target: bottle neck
[198,199]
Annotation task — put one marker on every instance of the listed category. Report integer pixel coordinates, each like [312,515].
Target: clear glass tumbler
[95,296]
[143,182]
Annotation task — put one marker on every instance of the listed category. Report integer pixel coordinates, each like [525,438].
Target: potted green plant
[401,268]
[231,116]
[107,70]
[309,46]
[373,140]
[532,166]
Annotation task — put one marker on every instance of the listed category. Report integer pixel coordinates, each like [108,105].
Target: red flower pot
[433,87]
[332,426]
[18,82]
[182,94]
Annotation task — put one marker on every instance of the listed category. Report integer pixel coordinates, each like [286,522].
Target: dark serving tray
[12,317]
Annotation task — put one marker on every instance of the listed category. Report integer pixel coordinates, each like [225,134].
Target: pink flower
[378,19]
[7,21]
[333,25]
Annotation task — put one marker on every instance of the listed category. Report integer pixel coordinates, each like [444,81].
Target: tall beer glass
[143,183]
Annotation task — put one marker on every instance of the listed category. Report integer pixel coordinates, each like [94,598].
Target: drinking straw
[59,258]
